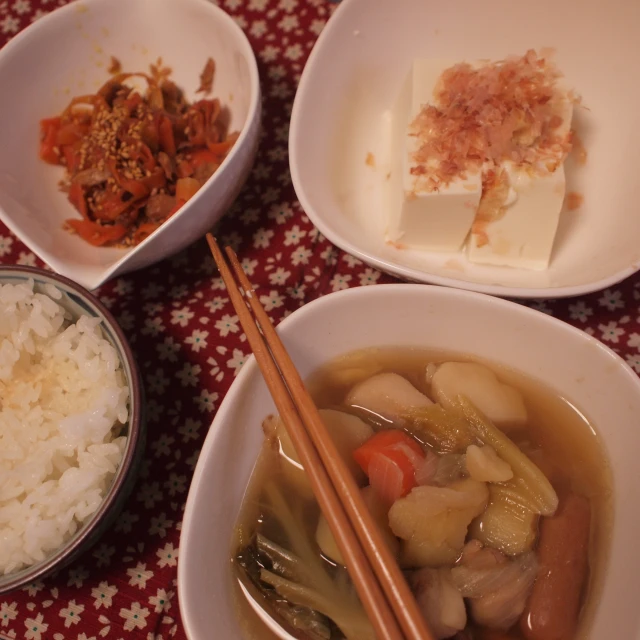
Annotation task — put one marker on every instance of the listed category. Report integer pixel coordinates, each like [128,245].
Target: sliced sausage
[554,605]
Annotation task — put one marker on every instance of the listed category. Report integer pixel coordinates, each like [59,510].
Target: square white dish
[355,72]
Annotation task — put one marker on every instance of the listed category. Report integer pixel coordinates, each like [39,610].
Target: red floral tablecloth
[187,340]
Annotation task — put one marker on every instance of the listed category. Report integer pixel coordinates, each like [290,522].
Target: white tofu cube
[523,237]
[429,220]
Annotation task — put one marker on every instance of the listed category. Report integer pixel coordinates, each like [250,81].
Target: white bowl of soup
[515,438]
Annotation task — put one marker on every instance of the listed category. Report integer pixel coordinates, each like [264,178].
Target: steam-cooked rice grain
[63,400]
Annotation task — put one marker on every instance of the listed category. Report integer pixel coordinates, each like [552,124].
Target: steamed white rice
[63,399]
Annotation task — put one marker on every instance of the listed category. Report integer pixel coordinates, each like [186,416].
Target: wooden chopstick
[382,561]
[333,479]
[369,591]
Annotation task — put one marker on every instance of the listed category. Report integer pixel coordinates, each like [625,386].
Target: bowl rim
[134,436]
[317,217]
[250,368]
[32,32]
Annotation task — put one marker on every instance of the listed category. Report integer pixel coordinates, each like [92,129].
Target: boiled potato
[348,433]
[502,404]
[388,395]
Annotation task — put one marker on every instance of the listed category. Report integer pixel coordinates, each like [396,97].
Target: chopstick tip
[218,257]
[211,241]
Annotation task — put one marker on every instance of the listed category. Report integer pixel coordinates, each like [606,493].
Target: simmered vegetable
[442,470]
[502,607]
[501,403]
[508,523]
[289,465]
[446,430]
[349,372]
[440,601]
[433,521]
[497,587]
[298,575]
[456,427]
[528,480]
[390,459]
[484,464]
[388,395]
[347,432]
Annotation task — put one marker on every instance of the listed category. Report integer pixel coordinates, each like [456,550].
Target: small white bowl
[66,54]
[351,81]
[575,365]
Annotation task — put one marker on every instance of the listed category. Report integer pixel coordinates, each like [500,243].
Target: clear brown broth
[568,450]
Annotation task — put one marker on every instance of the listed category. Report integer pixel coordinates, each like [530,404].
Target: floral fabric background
[189,346]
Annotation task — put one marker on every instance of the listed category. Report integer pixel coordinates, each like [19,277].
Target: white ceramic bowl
[351,81]
[67,53]
[575,365]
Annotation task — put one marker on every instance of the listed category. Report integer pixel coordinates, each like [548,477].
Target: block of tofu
[523,236]
[419,218]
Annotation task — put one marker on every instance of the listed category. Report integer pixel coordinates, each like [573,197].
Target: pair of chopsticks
[382,589]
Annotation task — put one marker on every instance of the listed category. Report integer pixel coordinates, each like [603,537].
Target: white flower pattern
[71,613]
[139,575]
[8,612]
[103,595]
[189,347]
[35,627]
[135,617]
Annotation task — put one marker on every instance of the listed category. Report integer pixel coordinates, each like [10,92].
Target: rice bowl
[69,422]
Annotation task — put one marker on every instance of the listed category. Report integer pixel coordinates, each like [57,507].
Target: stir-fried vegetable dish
[133,157]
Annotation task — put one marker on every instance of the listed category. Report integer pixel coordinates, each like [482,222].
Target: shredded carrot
[133,158]
[203,156]
[96,233]
[48,133]
[76,198]
[145,230]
